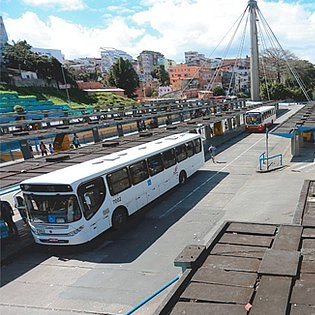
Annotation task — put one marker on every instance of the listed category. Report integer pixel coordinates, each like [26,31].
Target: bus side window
[92,195]
[155,164]
[181,153]
[197,145]
[190,148]
[169,158]
[118,181]
[138,172]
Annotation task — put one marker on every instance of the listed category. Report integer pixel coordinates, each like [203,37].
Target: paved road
[121,269]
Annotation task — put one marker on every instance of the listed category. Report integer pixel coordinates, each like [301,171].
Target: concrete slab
[280,262]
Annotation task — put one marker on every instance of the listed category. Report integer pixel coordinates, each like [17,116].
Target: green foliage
[78,97]
[161,74]
[18,109]
[108,100]
[123,75]
[20,56]
[218,90]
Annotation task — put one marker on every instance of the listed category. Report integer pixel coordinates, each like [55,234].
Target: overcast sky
[215,28]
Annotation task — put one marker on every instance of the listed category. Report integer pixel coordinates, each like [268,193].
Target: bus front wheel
[182,178]
[119,218]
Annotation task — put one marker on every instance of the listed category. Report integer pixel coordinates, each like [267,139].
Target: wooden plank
[308,266]
[252,228]
[304,292]
[272,296]
[308,232]
[288,238]
[302,310]
[232,263]
[246,239]
[238,250]
[233,278]
[280,262]
[217,293]
[208,309]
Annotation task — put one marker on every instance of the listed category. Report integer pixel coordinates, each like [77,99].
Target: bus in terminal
[257,119]
[75,204]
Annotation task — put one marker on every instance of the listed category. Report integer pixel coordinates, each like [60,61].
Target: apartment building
[110,55]
[147,60]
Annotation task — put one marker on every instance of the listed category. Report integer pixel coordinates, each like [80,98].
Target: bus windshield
[253,118]
[52,209]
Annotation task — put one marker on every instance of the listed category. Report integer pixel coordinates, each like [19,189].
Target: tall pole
[65,82]
[254,56]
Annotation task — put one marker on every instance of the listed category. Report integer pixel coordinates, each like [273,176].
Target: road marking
[171,209]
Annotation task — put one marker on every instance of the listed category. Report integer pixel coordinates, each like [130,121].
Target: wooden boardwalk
[250,268]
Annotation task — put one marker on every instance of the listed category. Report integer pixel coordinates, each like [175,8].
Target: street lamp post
[65,82]
[267,149]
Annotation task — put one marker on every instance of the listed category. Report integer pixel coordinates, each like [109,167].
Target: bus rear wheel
[182,178]
[119,218]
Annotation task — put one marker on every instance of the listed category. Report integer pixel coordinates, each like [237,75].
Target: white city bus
[258,119]
[75,204]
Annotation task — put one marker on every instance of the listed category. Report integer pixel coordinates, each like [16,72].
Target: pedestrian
[31,150]
[51,149]
[7,214]
[20,206]
[43,148]
[212,150]
[76,141]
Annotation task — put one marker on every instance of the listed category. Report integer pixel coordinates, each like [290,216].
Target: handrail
[152,296]
[262,158]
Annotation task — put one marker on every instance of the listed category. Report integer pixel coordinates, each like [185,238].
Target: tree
[218,90]
[19,56]
[285,75]
[123,75]
[161,74]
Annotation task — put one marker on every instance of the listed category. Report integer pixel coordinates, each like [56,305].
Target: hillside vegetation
[77,97]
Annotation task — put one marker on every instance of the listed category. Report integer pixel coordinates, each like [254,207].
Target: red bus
[258,119]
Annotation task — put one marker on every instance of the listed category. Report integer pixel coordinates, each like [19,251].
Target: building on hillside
[169,63]
[236,75]
[182,72]
[87,69]
[56,53]
[193,58]
[110,55]
[3,39]
[147,60]
[165,90]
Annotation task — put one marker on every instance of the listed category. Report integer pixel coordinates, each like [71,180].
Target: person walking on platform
[212,150]
[43,148]
[7,214]
[76,141]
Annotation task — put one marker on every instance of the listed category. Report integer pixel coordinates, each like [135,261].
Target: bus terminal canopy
[301,121]
[290,133]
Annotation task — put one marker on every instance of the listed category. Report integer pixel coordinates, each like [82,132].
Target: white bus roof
[260,109]
[102,165]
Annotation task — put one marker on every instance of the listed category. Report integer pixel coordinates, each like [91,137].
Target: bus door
[156,179]
[170,173]
[92,194]
[139,174]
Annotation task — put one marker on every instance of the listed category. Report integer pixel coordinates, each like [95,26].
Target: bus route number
[117,200]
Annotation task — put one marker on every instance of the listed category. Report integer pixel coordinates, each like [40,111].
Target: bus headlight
[76,231]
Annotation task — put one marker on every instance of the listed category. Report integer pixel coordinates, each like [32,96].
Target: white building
[110,55]
[56,53]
